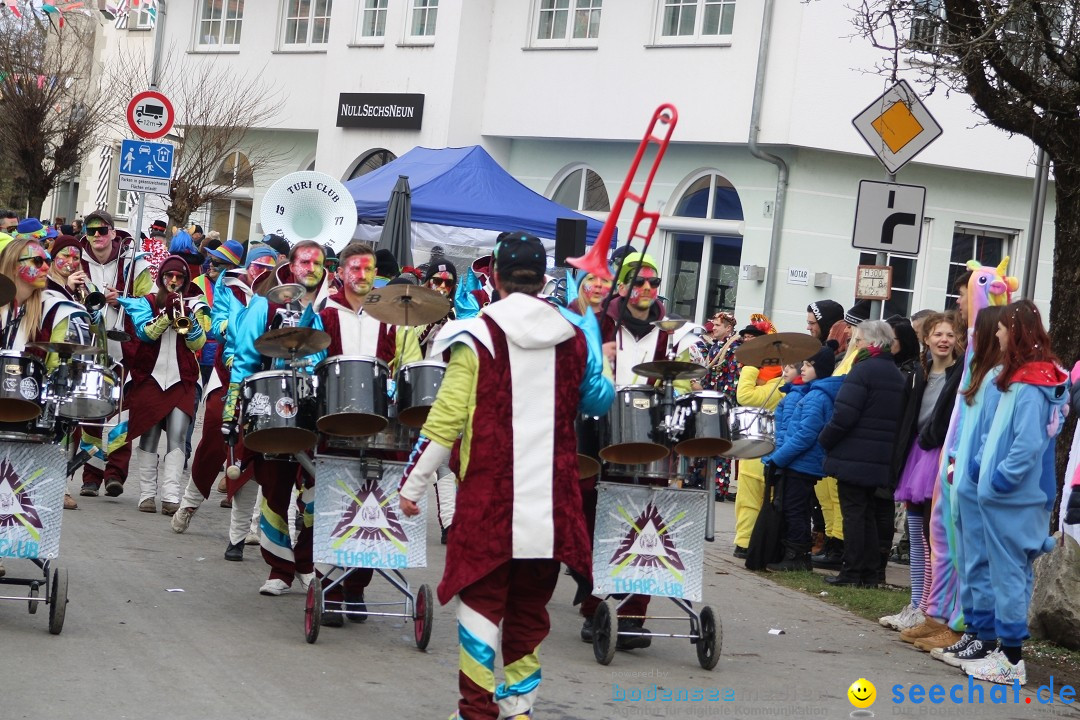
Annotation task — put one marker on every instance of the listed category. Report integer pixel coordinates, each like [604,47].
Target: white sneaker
[889,621]
[252,539]
[274,587]
[913,617]
[305,580]
[996,668]
[182,518]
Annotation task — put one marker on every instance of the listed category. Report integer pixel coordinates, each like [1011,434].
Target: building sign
[798,276]
[403,111]
[873,282]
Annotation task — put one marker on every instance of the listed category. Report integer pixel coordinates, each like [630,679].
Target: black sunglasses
[441,281]
[35,260]
[653,282]
[99,230]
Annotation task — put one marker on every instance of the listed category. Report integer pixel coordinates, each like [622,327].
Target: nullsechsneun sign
[403,111]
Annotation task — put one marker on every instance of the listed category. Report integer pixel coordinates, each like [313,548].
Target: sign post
[145,167]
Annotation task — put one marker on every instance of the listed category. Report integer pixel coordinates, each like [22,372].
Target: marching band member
[164,372]
[520,511]
[107,257]
[232,293]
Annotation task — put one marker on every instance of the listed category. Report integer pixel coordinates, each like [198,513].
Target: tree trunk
[1065,297]
[35,202]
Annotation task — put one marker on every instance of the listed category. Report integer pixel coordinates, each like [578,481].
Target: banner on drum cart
[649,541]
[32,480]
[357,522]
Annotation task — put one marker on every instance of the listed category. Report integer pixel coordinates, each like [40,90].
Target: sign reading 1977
[402,111]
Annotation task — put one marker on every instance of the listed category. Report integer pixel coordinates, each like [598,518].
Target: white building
[561,91]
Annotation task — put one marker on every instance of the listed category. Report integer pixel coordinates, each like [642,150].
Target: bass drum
[631,424]
[21,386]
[752,432]
[278,413]
[417,385]
[95,392]
[351,395]
[705,427]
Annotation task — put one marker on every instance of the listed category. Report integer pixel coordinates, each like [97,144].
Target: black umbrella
[397,228]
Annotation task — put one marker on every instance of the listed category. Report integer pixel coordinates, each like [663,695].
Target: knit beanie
[827,313]
[824,360]
[858,314]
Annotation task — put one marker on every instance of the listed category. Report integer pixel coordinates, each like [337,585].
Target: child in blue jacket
[798,456]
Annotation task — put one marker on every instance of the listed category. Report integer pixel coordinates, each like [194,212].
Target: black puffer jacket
[859,438]
[934,434]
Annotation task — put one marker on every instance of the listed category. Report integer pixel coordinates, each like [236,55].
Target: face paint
[67,260]
[442,283]
[358,274]
[256,270]
[174,281]
[307,267]
[594,289]
[33,265]
[644,295]
[100,243]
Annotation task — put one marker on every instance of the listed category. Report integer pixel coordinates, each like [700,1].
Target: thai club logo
[16,506]
[369,516]
[648,543]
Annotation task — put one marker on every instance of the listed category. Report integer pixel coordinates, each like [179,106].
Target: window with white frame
[582,189]
[219,23]
[422,19]
[145,17]
[695,21]
[560,23]
[306,23]
[231,216]
[987,246]
[372,21]
[125,202]
[903,283]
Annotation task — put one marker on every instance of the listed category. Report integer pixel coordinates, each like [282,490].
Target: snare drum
[657,469]
[705,427]
[278,413]
[417,385]
[752,432]
[39,430]
[20,390]
[94,394]
[351,399]
[631,423]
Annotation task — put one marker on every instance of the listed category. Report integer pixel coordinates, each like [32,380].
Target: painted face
[100,242]
[33,265]
[67,260]
[1002,335]
[174,280]
[645,290]
[442,282]
[307,267]
[256,270]
[594,289]
[358,274]
[213,271]
[942,340]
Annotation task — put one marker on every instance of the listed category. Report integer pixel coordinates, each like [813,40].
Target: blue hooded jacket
[800,450]
[793,393]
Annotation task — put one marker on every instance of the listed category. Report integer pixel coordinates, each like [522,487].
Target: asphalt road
[132,649]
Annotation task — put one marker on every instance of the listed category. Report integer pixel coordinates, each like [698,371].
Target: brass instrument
[181,322]
[92,300]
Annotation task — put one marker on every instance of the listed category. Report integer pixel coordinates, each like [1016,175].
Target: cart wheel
[313,610]
[32,604]
[605,631]
[58,598]
[711,639]
[422,614]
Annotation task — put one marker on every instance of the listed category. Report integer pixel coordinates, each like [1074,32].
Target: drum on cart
[706,432]
[278,412]
[752,432]
[351,395]
[21,387]
[94,392]
[631,436]
[656,470]
[417,385]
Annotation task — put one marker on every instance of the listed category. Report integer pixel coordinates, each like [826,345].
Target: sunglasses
[441,281]
[654,282]
[35,260]
[98,230]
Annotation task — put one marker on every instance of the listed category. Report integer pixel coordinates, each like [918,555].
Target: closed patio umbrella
[397,229]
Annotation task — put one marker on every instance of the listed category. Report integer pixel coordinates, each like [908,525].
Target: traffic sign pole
[881,259]
[155,68]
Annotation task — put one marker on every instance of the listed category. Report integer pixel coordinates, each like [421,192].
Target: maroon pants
[637,604]
[514,595]
[277,478]
[116,466]
[212,452]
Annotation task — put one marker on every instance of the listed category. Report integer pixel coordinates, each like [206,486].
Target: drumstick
[634,381]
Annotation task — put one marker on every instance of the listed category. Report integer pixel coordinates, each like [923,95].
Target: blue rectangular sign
[146,159]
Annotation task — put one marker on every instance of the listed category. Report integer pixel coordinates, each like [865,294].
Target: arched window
[583,190]
[372,161]
[231,216]
[235,171]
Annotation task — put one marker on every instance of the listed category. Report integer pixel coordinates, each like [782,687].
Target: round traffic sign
[150,115]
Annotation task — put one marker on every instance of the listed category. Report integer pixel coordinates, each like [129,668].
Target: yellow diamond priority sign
[897,126]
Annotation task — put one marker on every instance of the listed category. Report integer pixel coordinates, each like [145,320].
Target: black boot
[235,553]
[832,557]
[796,558]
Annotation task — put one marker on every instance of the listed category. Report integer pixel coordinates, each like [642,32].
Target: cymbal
[406,305]
[669,324]
[285,294]
[63,348]
[670,370]
[286,342]
[7,290]
[777,349]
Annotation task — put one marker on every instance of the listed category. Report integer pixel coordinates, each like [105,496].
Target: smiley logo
[862,693]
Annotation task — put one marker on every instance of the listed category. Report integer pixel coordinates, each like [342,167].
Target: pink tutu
[919,476]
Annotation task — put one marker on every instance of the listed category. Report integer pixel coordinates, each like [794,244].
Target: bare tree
[1019,62]
[217,111]
[49,119]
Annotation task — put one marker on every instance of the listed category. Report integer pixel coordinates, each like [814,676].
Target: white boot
[240,516]
[147,464]
[192,497]
[171,479]
[256,517]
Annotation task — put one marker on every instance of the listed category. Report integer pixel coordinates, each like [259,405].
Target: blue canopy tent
[460,197]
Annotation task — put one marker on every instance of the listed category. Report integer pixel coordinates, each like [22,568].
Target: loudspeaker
[569,240]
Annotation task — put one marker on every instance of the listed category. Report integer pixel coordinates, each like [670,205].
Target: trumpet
[182,325]
[181,321]
[92,300]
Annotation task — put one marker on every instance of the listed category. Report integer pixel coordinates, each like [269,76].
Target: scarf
[871,352]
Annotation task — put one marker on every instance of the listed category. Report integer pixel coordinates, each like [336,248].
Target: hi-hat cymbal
[669,324]
[285,294]
[670,370]
[286,342]
[63,348]
[7,290]
[406,305]
[777,349]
